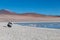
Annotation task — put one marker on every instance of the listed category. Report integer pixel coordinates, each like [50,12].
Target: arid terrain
[18,32]
[11,16]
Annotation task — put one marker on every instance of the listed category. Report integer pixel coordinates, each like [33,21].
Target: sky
[47,7]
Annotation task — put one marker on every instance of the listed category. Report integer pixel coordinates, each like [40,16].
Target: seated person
[9,24]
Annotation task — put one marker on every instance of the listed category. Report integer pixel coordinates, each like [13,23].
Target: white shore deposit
[18,32]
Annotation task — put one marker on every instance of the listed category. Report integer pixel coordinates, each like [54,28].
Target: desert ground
[18,32]
[21,18]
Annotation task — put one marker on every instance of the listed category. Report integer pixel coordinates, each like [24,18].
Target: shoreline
[30,21]
[35,21]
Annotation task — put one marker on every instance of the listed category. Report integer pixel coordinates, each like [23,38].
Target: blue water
[42,24]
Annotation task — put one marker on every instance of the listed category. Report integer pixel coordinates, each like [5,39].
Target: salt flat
[18,32]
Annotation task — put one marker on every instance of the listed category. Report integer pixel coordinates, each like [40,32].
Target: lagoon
[41,24]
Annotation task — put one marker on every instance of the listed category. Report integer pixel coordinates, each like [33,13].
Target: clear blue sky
[49,7]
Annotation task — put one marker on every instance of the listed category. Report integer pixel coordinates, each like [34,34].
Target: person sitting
[9,24]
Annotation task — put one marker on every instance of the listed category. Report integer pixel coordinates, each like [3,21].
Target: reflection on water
[42,24]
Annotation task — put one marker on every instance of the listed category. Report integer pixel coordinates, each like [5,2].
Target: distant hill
[33,14]
[3,11]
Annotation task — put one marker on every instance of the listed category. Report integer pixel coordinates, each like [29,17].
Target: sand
[20,18]
[18,32]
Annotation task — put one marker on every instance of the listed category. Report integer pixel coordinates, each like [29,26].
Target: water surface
[42,24]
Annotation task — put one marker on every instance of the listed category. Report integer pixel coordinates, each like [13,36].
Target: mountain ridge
[3,11]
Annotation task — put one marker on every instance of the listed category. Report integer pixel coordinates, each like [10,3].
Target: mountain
[33,14]
[3,11]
